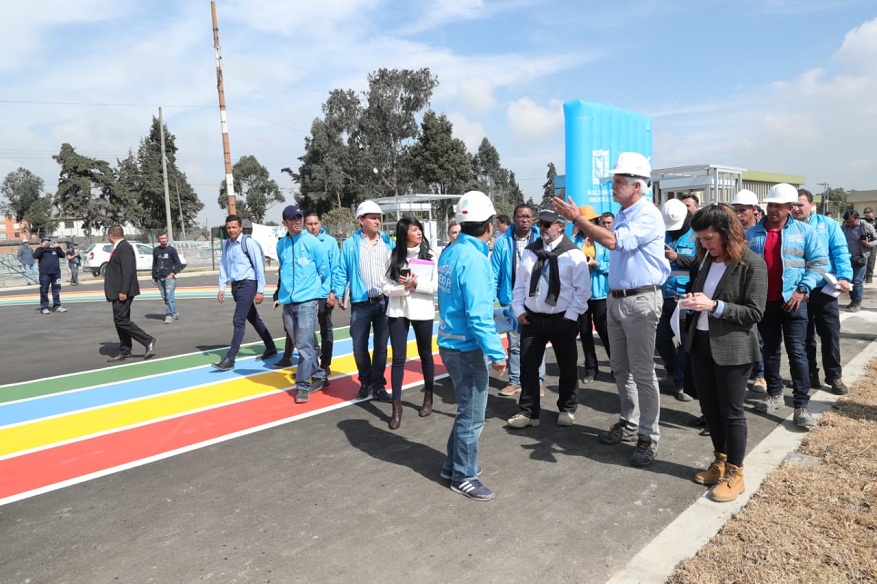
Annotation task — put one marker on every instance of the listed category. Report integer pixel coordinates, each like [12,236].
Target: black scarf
[536,247]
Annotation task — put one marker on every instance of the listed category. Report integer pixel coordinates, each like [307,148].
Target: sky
[785,86]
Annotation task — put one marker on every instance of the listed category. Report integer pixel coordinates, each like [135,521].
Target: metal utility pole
[180,205]
[226,151]
[827,187]
[167,193]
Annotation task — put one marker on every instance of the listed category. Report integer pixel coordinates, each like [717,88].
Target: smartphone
[679,296]
[405,272]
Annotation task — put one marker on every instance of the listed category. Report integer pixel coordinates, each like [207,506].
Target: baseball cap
[292,211]
[45,238]
[549,215]
[868,210]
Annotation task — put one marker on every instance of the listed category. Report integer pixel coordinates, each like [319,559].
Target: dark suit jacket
[743,289]
[122,272]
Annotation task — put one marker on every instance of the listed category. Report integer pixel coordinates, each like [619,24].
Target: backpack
[246,249]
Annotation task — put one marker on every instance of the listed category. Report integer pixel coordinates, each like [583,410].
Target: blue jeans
[514,338]
[31,273]
[777,326]
[52,281]
[468,373]
[857,291]
[244,293]
[300,320]
[167,286]
[364,318]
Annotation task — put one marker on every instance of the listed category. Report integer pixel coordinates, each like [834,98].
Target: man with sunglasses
[551,291]
[507,253]
[637,269]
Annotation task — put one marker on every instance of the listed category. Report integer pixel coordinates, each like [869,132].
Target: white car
[97,255]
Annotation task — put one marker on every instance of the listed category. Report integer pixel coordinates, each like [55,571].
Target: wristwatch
[803,290]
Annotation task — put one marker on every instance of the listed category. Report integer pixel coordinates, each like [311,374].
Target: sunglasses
[546,224]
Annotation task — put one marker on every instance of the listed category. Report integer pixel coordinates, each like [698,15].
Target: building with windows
[713,183]
[12,230]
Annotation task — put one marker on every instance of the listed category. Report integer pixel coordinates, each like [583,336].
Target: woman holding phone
[728,296]
[410,284]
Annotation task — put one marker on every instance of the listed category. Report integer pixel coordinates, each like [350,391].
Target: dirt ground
[814,519]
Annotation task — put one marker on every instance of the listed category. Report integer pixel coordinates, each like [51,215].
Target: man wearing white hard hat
[796,264]
[637,269]
[680,251]
[822,308]
[745,205]
[361,269]
[467,338]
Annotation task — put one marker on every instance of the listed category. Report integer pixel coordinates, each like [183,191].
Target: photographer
[49,254]
[861,238]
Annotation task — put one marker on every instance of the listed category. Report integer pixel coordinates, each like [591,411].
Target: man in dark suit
[120,288]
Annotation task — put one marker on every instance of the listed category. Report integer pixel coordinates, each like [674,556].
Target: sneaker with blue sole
[473,489]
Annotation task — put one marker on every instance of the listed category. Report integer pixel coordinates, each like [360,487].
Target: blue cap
[45,238]
[292,211]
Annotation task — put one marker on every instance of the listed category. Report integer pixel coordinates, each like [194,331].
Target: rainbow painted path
[64,430]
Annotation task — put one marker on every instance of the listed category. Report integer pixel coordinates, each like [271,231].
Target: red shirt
[773,245]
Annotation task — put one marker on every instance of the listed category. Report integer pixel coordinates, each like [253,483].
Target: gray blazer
[743,289]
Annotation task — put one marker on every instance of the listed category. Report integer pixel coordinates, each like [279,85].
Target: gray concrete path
[338,497]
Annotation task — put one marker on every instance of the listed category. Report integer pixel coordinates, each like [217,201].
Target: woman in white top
[411,283]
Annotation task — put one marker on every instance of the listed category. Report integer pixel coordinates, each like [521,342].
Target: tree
[389,123]
[39,216]
[493,179]
[88,190]
[254,189]
[142,174]
[834,200]
[22,189]
[548,189]
[438,160]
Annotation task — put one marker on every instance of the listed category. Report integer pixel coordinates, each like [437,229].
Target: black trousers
[399,341]
[561,333]
[720,389]
[593,319]
[126,329]
[824,320]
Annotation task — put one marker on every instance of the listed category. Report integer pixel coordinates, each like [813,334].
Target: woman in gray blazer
[728,297]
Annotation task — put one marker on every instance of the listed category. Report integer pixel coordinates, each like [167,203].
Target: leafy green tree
[142,174]
[339,223]
[493,179]
[88,190]
[254,189]
[22,189]
[39,216]
[549,186]
[439,161]
[834,200]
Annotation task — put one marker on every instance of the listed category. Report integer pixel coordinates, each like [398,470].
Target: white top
[418,304]
[717,270]
[575,284]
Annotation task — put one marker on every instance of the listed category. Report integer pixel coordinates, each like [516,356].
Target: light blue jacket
[331,245]
[678,281]
[466,291]
[502,261]
[805,260]
[348,272]
[835,243]
[304,268]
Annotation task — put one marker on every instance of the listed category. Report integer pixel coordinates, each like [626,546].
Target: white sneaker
[45,311]
[522,421]
[168,319]
[60,309]
[566,419]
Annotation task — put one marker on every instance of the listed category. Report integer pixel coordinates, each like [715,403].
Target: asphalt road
[337,497]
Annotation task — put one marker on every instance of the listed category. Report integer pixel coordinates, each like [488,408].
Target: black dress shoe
[363,392]
[225,365]
[267,354]
[382,395]
[119,357]
[150,348]
[282,363]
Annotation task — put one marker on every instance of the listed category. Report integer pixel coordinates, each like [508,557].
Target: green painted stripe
[68,382]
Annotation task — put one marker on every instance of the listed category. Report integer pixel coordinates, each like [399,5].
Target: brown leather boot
[731,485]
[396,419]
[426,408]
[714,473]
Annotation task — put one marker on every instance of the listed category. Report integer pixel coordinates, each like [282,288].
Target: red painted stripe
[66,462]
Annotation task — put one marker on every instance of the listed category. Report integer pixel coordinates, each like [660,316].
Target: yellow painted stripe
[77,425]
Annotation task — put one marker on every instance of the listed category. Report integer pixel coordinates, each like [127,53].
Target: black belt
[371,300]
[633,291]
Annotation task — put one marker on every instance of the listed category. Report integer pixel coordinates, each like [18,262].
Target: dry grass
[808,524]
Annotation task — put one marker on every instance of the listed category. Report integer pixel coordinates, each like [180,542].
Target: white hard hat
[782,193]
[368,207]
[474,207]
[674,212]
[745,197]
[633,164]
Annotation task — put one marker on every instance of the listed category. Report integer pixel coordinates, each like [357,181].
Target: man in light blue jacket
[363,263]
[822,308]
[467,339]
[328,300]
[796,264]
[304,276]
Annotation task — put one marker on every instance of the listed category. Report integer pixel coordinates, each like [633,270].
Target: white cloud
[530,122]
